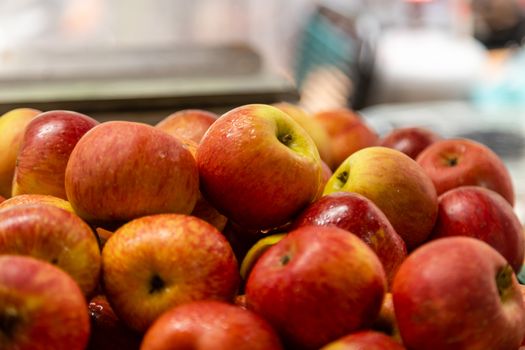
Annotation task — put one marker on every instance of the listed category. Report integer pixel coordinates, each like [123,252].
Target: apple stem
[504,280]
[8,321]
[156,284]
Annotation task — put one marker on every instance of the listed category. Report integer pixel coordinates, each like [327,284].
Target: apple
[257,250]
[210,324]
[348,133]
[483,214]
[156,262]
[12,128]
[258,167]
[396,184]
[462,162]
[47,143]
[386,321]
[359,215]
[409,140]
[366,340]
[316,285]
[107,331]
[123,170]
[41,307]
[313,127]
[55,235]
[2,199]
[23,199]
[188,124]
[458,293]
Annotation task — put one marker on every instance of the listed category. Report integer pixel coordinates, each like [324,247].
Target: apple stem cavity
[285,139]
[452,161]
[343,177]
[156,284]
[8,321]
[285,259]
[504,280]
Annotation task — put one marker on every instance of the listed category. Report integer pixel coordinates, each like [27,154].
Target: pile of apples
[264,228]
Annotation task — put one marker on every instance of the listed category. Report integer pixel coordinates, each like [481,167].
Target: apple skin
[107,331]
[23,199]
[12,128]
[2,199]
[396,184]
[157,262]
[483,214]
[122,170]
[316,285]
[348,133]
[189,124]
[360,216]
[44,152]
[210,324]
[312,127]
[458,293]
[270,171]
[409,140]
[41,307]
[54,235]
[366,340]
[462,162]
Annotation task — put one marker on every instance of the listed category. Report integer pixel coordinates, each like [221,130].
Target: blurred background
[456,66]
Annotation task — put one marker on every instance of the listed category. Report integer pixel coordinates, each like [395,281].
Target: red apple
[258,167]
[209,324]
[23,199]
[359,215]
[46,146]
[458,293]
[189,124]
[54,235]
[316,285]
[365,340]
[347,131]
[483,214]
[462,162]
[107,331]
[157,262]
[12,128]
[122,170]
[396,184]
[409,140]
[41,307]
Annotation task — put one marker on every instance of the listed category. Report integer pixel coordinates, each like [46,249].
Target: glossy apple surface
[347,131]
[122,170]
[365,340]
[409,140]
[107,331]
[316,285]
[396,184]
[189,124]
[483,214]
[462,162]
[44,152]
[12,128]
[203,325]
[359,215]
[258,167]
[458,293]
[53,235]
[23,199]
[41,307]
[157,262]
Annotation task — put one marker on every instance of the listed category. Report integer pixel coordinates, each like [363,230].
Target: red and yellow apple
[189,124]
[44,152]
[409,140]
[154,263]
[396,184]
[12,128]
[23,199]
[365,340]
[316,285]
[41,307]
[210,324]
[123,170]
[258,167]
[54,235]
[462,162]
[458,293]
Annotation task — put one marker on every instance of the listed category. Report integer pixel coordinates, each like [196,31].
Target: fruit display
[267,227]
